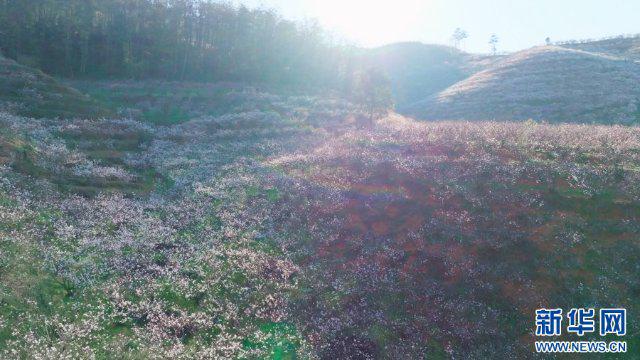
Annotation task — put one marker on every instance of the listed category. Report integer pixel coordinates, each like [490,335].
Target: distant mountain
[418,70]
[29,92]
[550,83]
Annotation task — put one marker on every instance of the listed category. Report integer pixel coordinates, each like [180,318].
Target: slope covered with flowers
[444,238]
[285,228]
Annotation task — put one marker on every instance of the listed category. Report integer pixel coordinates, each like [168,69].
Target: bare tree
[458,36]
[372,92]
[493,42]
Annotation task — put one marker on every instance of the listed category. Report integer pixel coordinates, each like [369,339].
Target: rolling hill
[417,70]
[548,83]
[624,47]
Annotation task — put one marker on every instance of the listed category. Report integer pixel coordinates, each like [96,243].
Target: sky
[519,24]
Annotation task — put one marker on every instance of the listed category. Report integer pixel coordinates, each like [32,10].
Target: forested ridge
[167,39]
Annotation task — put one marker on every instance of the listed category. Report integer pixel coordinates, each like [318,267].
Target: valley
[209,180]
[284,227]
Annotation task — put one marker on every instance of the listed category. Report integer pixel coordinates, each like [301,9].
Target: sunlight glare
[371,22]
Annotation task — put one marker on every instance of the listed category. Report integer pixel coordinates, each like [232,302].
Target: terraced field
[30,92]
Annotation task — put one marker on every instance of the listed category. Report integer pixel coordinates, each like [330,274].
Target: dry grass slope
[544,83]
[624,47]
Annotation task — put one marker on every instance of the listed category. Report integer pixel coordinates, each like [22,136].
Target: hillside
[30,92]
[417,70]
[623,47]
[543,83]
[210,180]
[280,228]
[172,102]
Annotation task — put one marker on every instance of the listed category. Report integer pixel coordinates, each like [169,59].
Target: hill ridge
[550,83]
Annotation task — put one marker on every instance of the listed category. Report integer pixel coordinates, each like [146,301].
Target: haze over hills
[589,81]
[417,70]
[550,83]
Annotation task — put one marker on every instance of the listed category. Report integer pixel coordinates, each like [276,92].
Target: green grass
[23,155]
[169,116]
[162,103]
[279,341]
[42,96]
